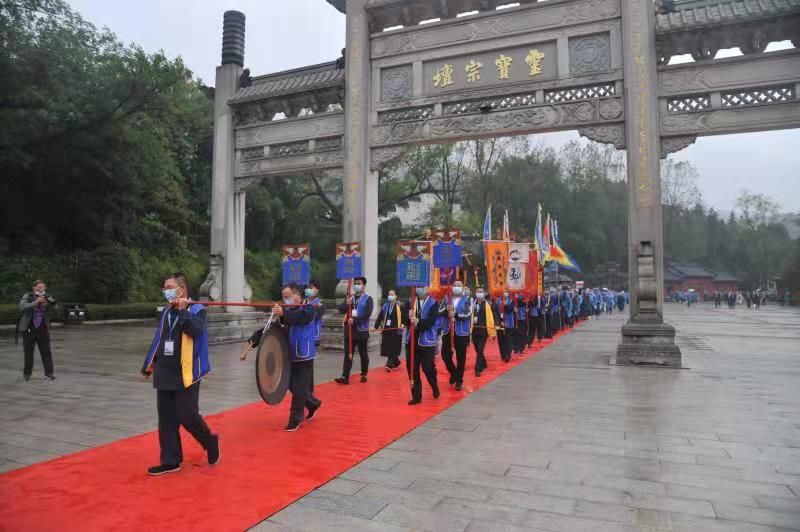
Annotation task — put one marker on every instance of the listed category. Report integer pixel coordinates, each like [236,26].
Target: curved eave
[289,83]
[724,13]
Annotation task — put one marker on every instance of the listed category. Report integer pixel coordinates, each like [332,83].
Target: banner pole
[413,340]
[350,317]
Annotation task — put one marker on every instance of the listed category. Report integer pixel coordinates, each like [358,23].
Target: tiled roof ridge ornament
[340,62]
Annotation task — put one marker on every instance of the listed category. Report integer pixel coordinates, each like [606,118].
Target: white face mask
[505,294]
[391,299]
[457,290]
[358,288]
[479,295]
[288,301]
[421,291]
[170,294]
[39,293]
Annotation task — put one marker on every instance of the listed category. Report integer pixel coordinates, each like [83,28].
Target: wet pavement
[567,442]
[562,442]
[98,395]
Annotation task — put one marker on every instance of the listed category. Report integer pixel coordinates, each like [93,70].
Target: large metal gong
[272,366]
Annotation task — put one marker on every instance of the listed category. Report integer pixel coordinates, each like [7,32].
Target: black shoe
[458,386]
[292,426]
[388,369]
[414,402]
[436,393]
[342,380]
[478,373]
[163,470]
[452,380]
[26,378]
[312,411]
[213,450]
[363,378]
[49,377]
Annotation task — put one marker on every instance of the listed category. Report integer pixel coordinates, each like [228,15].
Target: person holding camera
[35,327]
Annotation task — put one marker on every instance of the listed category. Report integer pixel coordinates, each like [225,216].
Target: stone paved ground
[98,397]
[567,442]
[562,442]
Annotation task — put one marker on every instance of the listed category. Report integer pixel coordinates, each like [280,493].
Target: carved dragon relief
[563,115]
[683,82]
[383,157]
[289,164]
[682,122]
[674,144]
[610,134]
[319,126]
[593,9]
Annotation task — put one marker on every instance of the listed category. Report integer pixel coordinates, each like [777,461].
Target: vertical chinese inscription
[355,64]
[644,182]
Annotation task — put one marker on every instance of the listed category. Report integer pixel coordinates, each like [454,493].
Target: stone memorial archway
[595,66]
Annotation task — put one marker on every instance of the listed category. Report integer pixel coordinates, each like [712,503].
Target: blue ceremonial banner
[348,260]
[447,248]
[414,263]
[296,266]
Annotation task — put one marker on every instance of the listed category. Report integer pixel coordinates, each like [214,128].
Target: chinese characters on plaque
[448,73]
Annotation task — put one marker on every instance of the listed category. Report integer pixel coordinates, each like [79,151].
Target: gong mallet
[250,346]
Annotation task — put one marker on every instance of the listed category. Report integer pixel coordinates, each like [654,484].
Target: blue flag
[414,263]
[487,225]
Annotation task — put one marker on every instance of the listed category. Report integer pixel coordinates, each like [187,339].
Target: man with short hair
[299,321]
[178,360]
[35,327]
[459,313]
[506,312]
[484,320]
[423,315]
[358,311]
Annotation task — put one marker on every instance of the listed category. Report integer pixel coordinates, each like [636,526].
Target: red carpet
[262,469]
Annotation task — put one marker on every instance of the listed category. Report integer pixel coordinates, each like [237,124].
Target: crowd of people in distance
[753,299]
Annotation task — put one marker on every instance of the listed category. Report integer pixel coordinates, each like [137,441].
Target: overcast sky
[283,34]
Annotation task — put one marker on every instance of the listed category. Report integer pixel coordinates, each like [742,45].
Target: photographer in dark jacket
[35,327]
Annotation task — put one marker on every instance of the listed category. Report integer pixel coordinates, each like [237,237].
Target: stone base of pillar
[648,344]
[332,338]
[230,327]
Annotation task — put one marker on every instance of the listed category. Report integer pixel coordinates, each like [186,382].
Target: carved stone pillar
[222,281]
[360,186]
[646,339]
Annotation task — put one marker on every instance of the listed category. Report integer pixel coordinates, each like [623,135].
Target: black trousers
[456,370]
[505,342]
[531,329]
[479,341]
[520,336]
[359,344]
[30,339]
[538,325]
[301,384]
[548,326]
[176,408]
[424,358]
